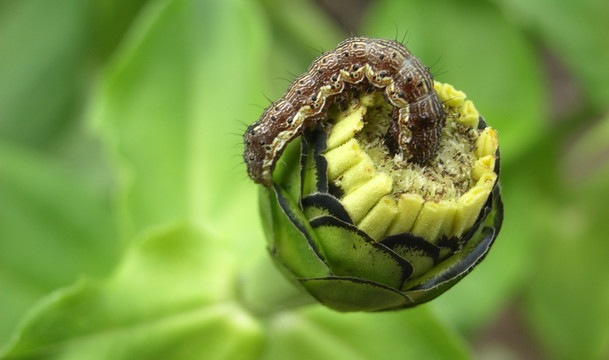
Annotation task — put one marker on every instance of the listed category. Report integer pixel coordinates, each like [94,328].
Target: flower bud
[363,229]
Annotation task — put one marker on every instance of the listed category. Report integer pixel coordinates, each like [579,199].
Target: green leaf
[55,225]
[295,42]
[291,21]
[112,19]
[567,302]
[576,32]
[320,333]
[497,68]
[567,305]
[43,68]
[162,302]
[169,108]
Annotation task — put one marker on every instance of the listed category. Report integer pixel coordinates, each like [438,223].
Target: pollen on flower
[385,195]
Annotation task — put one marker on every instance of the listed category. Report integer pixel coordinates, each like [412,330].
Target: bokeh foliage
[128,225]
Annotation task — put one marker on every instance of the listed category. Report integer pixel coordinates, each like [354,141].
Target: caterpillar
[357,62]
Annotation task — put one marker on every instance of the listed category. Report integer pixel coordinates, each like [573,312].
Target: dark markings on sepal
[329,203]
[355,294]
[466,263]
[406,267]
[473,252]
[313,163]
[412,242]
[452,243]
[320,139]
[285,206]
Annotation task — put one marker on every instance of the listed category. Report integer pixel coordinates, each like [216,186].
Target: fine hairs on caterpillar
[356,64]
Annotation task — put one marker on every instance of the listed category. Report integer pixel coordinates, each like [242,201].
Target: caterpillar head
[257,145]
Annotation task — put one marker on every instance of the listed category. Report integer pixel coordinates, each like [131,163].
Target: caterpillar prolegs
[356,62]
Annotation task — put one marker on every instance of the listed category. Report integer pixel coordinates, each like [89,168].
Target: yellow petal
[482,166]
[343,157]
[346,128]
[487,143]
[357,175]
[361,200]
[470,204]
[409,206]
[377,221]
[430,219]
[469,114]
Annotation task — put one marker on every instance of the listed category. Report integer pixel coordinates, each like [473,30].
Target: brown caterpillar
[359,61]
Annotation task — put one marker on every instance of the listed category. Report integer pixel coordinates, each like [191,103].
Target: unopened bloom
[361,229]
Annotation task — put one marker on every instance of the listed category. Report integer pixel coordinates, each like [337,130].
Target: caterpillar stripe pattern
[356,62]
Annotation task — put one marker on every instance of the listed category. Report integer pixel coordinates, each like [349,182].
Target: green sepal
[450,271]
[293,241]
[319,204]
[422,254]
[354,294]
[287,173]
[268,218]
[314,166]
[350,252]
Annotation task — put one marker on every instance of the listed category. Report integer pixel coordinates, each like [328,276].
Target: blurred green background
[128,224]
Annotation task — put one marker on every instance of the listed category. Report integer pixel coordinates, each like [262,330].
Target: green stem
[265,291]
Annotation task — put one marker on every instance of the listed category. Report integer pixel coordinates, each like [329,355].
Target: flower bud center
[386,195]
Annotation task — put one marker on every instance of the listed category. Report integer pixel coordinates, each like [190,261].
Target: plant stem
[264,291]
